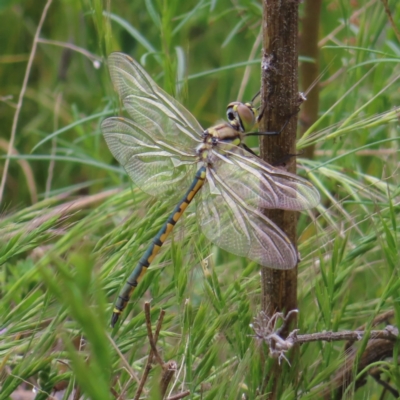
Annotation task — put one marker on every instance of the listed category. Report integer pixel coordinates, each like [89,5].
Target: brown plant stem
[168,368]
[148,366]
[168,373]
[179,395]
[390,19]
[152,339]
[279,91]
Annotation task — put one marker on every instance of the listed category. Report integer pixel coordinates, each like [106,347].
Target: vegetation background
[73,225]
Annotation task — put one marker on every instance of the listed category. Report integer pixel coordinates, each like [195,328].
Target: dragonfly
[167,154]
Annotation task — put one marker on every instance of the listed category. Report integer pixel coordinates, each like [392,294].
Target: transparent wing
[238,185]
[241,229]
[169,121]
[259,184]
[158,146]
[154,166]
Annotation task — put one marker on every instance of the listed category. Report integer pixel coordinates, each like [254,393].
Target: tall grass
[65,256]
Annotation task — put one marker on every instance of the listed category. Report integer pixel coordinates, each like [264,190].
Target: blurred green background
[73,225]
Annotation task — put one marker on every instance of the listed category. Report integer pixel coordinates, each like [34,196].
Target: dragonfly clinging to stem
[166,152]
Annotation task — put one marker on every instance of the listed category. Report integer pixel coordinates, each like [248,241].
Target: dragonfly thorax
[241,118]
[222,133]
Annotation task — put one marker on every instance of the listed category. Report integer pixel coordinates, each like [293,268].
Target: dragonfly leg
[249,150]
[272,132]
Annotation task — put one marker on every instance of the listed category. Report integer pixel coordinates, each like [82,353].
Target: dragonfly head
[242,116]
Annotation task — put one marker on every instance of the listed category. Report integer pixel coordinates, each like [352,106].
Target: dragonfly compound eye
[246,116]
[231,115]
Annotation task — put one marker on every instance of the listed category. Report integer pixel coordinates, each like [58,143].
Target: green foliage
[73,226]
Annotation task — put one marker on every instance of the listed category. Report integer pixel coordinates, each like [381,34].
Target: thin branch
[21,97]
[377,152]
[390,18]
[169,368]
[52,162]
[152,340]
[148,366]
[92,57]
[375,374]
[179,395]
[168,373]
[265,328]
[26,169]
[379,319]
[128,367]
[389,333]
[343,25]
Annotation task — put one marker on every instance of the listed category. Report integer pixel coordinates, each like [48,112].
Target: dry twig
[380,345]
[179,395]
[21,97]
[148,366]
[168,368]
